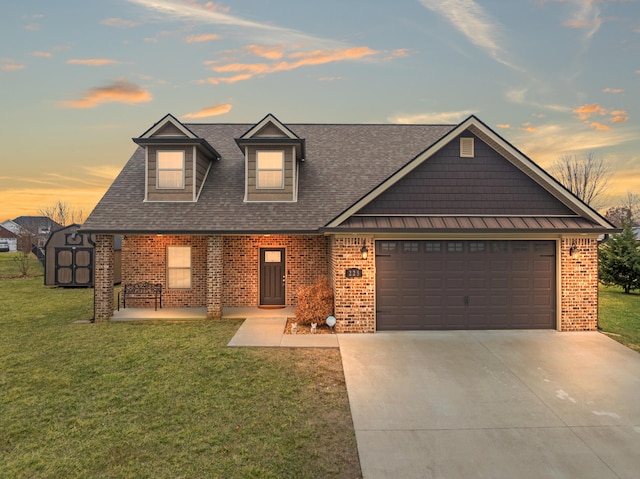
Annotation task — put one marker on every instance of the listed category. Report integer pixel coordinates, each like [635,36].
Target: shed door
[73,266]
[272,277]
[465,285]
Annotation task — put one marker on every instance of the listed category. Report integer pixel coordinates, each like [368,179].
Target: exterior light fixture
[573,251]
[364,251]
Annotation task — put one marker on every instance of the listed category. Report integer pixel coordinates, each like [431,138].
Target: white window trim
[183,170]
[181,268]
[282,170]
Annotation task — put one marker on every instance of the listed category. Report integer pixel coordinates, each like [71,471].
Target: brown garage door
[465,285]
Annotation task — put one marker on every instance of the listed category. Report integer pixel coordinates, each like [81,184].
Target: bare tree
[587,177]
[628,212]
[62,213]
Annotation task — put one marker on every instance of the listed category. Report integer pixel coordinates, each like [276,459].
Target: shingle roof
[342,164]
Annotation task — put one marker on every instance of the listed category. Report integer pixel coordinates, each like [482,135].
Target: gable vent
[466,147]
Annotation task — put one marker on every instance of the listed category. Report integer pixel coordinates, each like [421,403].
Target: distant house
[8,240]
[39,226]
[416,226]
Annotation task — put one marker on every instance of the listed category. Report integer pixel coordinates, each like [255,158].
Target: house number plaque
[353,273]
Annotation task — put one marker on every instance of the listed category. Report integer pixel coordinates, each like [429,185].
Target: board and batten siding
[288,193]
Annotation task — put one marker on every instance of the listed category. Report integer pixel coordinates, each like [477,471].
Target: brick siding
[355,298]
[306,262]
[579,291]
[103,278]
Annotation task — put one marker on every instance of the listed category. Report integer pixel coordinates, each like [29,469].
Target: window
[454,247]
[179,267]
[270,169]
[476,247]
[388,246]
[170,169]
[411,247]
[432,246]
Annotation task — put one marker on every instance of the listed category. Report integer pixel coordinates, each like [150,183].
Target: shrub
[315,302]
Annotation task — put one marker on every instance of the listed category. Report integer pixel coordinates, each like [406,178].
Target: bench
[143,290]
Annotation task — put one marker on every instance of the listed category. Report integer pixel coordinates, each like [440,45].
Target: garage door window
[411,247]
[499,246]
[432,246]
[455,247]
[388,246]
[476,247]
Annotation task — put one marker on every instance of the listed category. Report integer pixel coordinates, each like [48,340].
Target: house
[69,258]
[8,240]
[416,226]
[38,226]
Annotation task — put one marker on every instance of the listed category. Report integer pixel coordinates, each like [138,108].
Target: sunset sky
[79,79]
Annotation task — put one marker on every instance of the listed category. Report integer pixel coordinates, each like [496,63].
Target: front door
[272,277]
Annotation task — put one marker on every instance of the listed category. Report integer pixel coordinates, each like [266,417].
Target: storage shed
[69,258]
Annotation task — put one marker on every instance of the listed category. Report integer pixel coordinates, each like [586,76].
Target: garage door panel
[466,285]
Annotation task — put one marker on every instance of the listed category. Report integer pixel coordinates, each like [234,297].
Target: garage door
[465,285]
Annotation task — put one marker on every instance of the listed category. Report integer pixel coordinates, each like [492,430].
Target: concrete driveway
[493,404]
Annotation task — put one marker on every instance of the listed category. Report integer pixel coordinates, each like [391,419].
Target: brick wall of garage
[579,285]
[306,262]
[355,298]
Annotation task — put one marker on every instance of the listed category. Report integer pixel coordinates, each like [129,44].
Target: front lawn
[619,315]
[156,400]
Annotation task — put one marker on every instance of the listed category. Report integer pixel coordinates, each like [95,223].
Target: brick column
[214,277]
[103,303]
[579,285]
[354,298]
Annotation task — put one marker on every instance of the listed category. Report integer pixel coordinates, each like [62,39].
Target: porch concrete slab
[259,332]
[493,404]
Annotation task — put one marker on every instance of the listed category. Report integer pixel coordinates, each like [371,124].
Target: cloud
[121,91]
[32,27]
[210,111]
[245,71]
[519,95]
[447,117]
[41,54]
[585,112]
[9,64]
[613,90]
[474,23]
[587,17]
[504,126]
[271,53]
[213,14]
[92,62]
[205,37]
[619,119]
[599,126]
[119,23]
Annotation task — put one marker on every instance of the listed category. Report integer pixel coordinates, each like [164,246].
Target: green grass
[159,400]
[619,315]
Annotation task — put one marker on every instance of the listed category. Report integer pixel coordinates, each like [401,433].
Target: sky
[79,79]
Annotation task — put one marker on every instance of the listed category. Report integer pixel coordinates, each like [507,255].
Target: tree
[587,177]
[619,260]
[628,211]
[62,213]
[25,242]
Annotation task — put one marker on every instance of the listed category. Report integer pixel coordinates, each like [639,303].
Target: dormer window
[171,169]
[269,169]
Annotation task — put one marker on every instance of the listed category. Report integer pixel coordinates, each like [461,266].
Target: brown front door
[272,277]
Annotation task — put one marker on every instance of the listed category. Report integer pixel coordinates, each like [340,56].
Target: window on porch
[178,267]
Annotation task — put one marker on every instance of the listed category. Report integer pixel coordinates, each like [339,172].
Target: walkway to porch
[261,327]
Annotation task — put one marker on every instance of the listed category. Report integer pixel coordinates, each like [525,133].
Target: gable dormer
[272,153]
[177,161]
